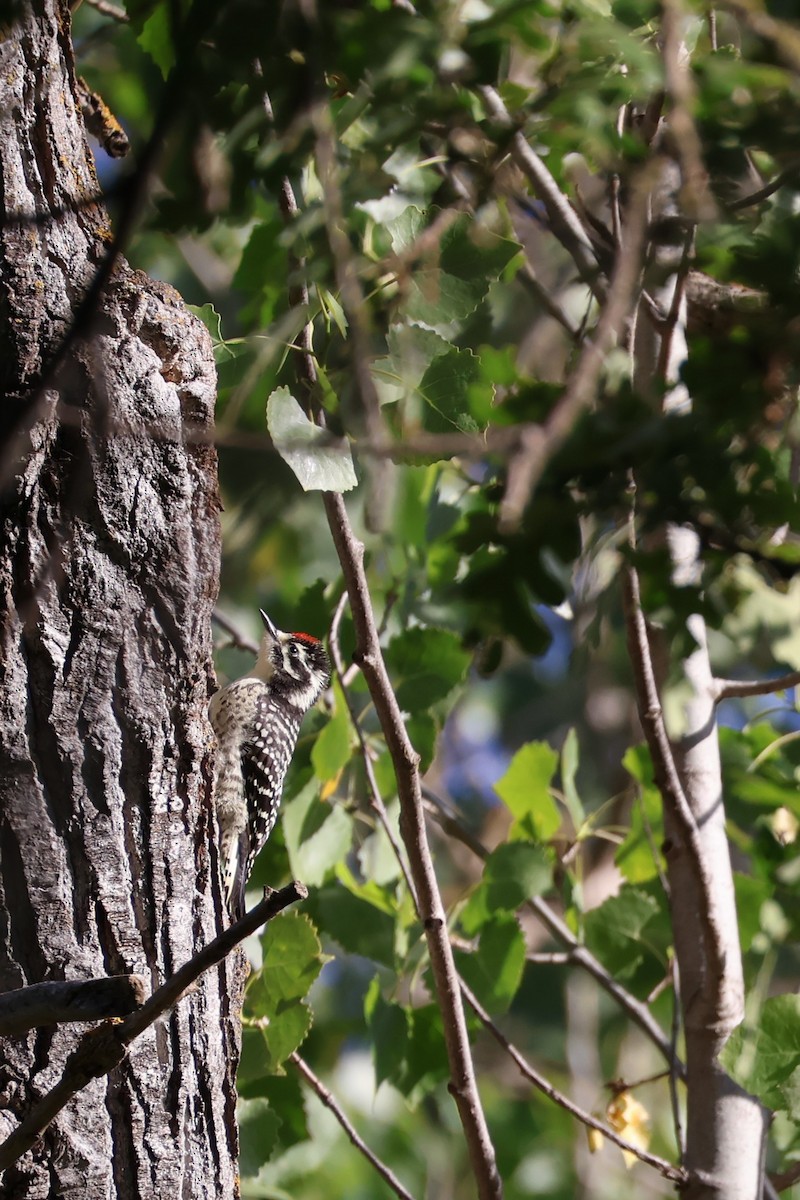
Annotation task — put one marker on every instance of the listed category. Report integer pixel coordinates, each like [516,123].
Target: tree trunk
[726,1127]
[109,559]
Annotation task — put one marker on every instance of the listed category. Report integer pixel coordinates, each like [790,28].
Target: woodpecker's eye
[294,652]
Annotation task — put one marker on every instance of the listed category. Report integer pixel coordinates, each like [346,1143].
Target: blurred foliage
[506,648]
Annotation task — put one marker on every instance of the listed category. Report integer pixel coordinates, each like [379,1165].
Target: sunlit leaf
[319,462]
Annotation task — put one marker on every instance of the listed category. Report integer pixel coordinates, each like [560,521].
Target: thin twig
[781,1180]
[375,797]
[540,442]
[109,10]
[350,290]
[676,1174]
[675,1029]
[677,307]
[528,278]
[463,1084]
[563,219]
[104,1047]
[767,190]
[735,689]
[330,1102]
[239,639]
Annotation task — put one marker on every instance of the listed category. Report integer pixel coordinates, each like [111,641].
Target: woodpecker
[256,720]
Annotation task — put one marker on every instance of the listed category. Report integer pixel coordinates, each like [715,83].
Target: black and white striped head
[295,665]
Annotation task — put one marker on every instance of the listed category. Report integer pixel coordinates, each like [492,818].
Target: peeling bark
[109,557]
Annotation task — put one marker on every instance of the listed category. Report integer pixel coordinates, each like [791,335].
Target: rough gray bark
[109,558]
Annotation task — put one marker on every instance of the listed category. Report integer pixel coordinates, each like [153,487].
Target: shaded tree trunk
[109,558]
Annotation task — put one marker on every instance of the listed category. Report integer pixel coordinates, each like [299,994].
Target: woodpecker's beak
[269,625]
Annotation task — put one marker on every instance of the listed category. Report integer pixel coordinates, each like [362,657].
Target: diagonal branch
[547,1089]
[563,219]
[375,797]
[331,1103]
[540,442]
[735,689]
[463,1084]
[104,1047]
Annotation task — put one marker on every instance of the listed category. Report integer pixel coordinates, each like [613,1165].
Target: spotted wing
[266,754]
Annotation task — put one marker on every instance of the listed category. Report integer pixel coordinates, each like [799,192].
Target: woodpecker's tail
[234,852]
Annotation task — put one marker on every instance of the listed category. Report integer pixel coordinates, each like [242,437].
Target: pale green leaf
[318,463]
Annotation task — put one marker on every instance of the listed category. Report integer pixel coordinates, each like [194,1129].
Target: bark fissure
[109,547]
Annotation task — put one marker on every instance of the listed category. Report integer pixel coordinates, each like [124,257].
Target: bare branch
[110,10]
[785,1179]
[62,1001]
[666,1168]
[330,1102]
[698,201]
[767,190]
[564,221]
[405,759]
[735,689]
[239,639]
[102,1048]
[715,307]
[540,442]
[375,797]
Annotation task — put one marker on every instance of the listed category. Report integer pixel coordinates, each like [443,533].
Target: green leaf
[423,731]
[389,1027]
[355,923]
[333,745]
[156,39]
[411,351]
[408,1044]
[258,1134]
[515,872]
[766,1059]
[292,959]
[569,769]
[494,971]
[426,1062]
[318,463]
[453,387]
[447,286]
[750,895]
[317,835]
[638,856]
[525,790]
[425,665]
[263,267]
[615,930]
